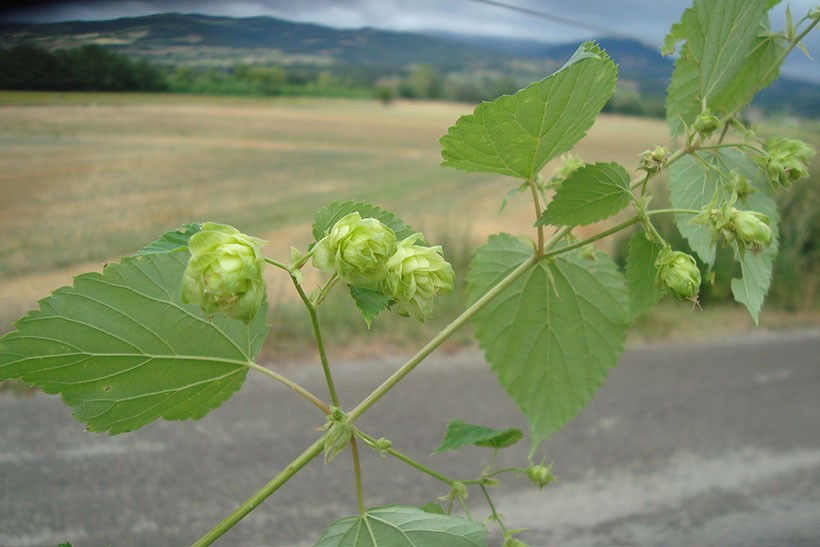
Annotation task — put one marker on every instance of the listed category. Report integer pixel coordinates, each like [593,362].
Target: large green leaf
[122,350]
[552,335]
[692,185]
[333,212]
[518,134]
[591,193]
[399,526]
[726,58]
[640,274]
[460,433]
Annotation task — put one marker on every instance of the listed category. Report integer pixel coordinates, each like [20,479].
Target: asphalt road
[714,444]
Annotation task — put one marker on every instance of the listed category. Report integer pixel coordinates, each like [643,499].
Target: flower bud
[678,272]
[357,249]
[753,228]
[787,160]
[705,124]
[415,276]
[540,475]
[653,160]
[224,273]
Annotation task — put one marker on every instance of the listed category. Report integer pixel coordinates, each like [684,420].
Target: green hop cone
[678,272]
[540,475]
[653,160]
[787,160]
[752,228]
[705,124]
[415,276]
[357,249]
[224,273]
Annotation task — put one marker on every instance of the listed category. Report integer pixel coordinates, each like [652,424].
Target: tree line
[95,68]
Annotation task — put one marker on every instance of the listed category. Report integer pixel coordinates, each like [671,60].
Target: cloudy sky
[544,20]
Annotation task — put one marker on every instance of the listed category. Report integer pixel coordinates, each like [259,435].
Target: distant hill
[200,40]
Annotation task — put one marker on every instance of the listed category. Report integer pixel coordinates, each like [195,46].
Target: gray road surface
[714,444]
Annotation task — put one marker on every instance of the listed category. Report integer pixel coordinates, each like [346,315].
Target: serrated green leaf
[692,185]
[333,212]
[553,334]
[432,507]
[460,433]
[726,58]
[122,350]
[369,302]
[640,274]
[171,241]
[399,526]
[516,135]
[591,193]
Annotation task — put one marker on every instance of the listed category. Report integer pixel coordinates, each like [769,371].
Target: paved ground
[715,444]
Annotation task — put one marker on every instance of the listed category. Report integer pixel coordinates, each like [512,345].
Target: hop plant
[224,273]
[415,276]
[705,124]
[540,475]
[357,249]
[678,273]
[787,160]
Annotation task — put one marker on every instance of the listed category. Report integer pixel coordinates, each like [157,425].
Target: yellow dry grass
[87,178]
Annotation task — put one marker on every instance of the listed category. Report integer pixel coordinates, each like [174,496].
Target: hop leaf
[224,273]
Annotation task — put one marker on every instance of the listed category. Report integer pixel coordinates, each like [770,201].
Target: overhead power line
[603,31]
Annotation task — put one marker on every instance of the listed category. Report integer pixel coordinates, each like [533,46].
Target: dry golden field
[87,178]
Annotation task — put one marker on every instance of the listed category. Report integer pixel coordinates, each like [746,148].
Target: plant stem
[251,503]
[406,459]
[292,385]
[496,517]
[277,264]
[357,471]
[536,200]
[437,340]
[320,345]
[596,237]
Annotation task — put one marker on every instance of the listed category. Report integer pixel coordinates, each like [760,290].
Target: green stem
[436,341]
[537,204]
[406,459]
[496,517]
[321,405]
[357,471]
[320,345]
[277,264]
[733,145]
[325,290]
[596,237]
[251,503]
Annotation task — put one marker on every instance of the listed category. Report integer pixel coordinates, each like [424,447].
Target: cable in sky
[544,15]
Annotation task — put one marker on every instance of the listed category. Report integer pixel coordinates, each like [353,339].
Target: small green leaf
[553,334]
[459,433]
[333,212]
[400,526]
[369,302]
[516,135]
[591,193]
[640,274]
[122,350]
[171,241]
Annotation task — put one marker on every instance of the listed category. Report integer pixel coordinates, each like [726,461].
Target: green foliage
[107,343]
[518,134]
[399,526]
[330,214]
[173,240]
[591,193]
[460,433]
[697,182]
[640,274]
[553,334]
[369,302]
[725,59]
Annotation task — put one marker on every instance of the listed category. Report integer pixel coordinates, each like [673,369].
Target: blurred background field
[86,178]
